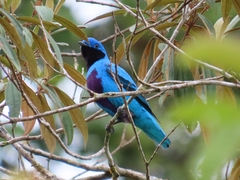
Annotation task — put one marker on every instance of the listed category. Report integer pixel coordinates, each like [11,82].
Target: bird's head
[92,51]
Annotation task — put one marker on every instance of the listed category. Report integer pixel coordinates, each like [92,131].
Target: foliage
[188,66]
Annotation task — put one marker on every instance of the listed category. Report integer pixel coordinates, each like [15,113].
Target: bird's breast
[94,83]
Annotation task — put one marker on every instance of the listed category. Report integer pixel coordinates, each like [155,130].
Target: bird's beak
[83,43]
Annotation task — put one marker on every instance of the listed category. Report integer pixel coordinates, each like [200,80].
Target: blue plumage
[100,79]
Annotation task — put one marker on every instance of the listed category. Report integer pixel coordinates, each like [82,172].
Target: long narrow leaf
[16,25]
[143,66]
[13,99]
[77,76]
[76,115]
[10,53]
[70,26]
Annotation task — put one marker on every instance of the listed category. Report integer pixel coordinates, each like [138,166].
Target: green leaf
[47,55]
[49,139]
[82,98]
[222,121]
[232,23]
[55,79]
[13,99]
[76,115]
[26,53]
[165,25]
[41,104]
[182,72]
[212,4]
[58,6]
[50,4]
[121,49]
[36,21]
[220,27]
[70,26]
[28,36]
[235,173]
[226,8]
[109,14]
[14,5]
[236,4]
[67,125]
[16,25]
[223,54]
[143,66]
[45,13]
[56,48]
[207,24]
[210,90]
[65,117]
[77,76]
[158,3]
[10,53]
[168,62]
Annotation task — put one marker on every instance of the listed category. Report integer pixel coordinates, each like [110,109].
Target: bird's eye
[96,46]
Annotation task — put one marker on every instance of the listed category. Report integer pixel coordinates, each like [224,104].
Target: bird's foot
[122,115]
[109,128]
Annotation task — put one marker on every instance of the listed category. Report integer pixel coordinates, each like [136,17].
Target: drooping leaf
[67,125]
[55,79]
[13,99]
[70,26]
[212,4]
[16,25]
[49,139]
[226,7]
[14,5]
[205,132]
[26,112]
[41,103]
[158,3]
[220,27]
[58,6]
[232,23]
[47,55]
[28,36]
[235,173]
[65,117]
[10,53]
[165,25]
[56,49]
[207,24]
[168,63]
[236,4]
[2,96]
[82,98]
[45,13]
[182,72]
[109,14]
[50,4]
[76,115]
[226,94]
[121,49]
[25,50]
[210,90]
[143,66]
[36,21]
[77,76]
[150,2]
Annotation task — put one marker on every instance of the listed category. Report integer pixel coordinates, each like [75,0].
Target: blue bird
[100,80]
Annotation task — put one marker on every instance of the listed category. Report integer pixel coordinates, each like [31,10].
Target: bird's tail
[152,129]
